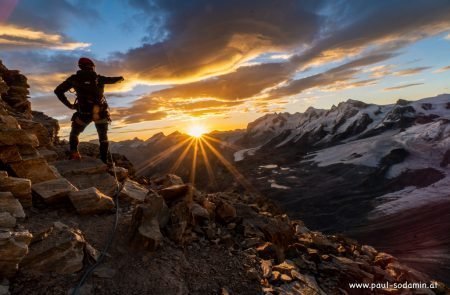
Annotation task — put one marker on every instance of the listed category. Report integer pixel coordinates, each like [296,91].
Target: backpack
[87,89]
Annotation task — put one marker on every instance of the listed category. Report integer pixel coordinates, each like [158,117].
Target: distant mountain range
[376,172]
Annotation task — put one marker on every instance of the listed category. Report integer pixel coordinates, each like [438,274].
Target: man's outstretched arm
[60,91]
[109,80]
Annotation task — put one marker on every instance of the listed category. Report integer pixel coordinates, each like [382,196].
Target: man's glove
[121,79]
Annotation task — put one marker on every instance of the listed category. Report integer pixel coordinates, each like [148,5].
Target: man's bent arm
[60,91]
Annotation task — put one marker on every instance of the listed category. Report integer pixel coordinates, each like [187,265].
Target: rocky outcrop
[60,249]
[13,248]
[86,173]
[19,187]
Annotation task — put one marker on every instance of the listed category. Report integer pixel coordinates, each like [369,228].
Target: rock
[174,192]
[36,129]
[104,182]
[49,123]
[369,251]
[54,191]
[91,201]
[133,191]
[9,154]
[404,273]
[4,290]
[198,213]
[225,212]
[120,172]
[35,168]
[285,278]
[48,155]
[286,267]
[13,248]
[104,272]
[268,251]
[19,187]
[266,267]
[11,205]
[253,274]
[85,166]
[61,252]
[13,136]
[7,220]
[383,259]
[147,220]
[180,217]
[168,180]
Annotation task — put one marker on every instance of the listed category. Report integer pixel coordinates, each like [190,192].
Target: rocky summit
[56,216]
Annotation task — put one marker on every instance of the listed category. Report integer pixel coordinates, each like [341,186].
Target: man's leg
[102,130]
[77,128]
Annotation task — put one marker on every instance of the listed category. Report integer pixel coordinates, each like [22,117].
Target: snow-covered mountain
[348,121]
[369,170]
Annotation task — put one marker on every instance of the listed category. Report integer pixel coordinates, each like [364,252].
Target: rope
[111,237]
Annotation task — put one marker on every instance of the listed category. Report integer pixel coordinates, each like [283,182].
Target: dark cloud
[211,37]
[412,71]
[402,86]
[52,15]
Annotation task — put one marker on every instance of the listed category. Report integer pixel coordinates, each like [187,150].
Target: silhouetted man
[90,105]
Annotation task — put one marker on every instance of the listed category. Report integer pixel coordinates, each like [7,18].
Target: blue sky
[222,63]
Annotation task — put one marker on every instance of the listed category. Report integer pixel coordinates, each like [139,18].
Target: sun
[196,130]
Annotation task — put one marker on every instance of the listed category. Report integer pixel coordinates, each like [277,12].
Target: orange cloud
[12,36]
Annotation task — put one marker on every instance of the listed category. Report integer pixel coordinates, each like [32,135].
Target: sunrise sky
[223,63]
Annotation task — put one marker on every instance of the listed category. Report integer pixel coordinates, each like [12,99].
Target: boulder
[85,166]
[147,220]
[61,252]
[174,192]
[7,220]
[13,248]
[13,136]
[90,201]
[49,123]
[34,168]
[168,180]
[11,205]
[53,191]
[9,154]
[104,182]
[19,187]
[133,191]
[9,121]
[37,129]
[48,155]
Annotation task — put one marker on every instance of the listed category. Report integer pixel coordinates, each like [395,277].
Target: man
[90,105]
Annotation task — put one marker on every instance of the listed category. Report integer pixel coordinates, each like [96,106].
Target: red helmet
[85,62]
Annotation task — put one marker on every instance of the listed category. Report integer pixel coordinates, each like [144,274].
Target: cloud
[53,15]
[343,73]
[14,37]
[208,38]
[443,69]
[412,71]
[402,86]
